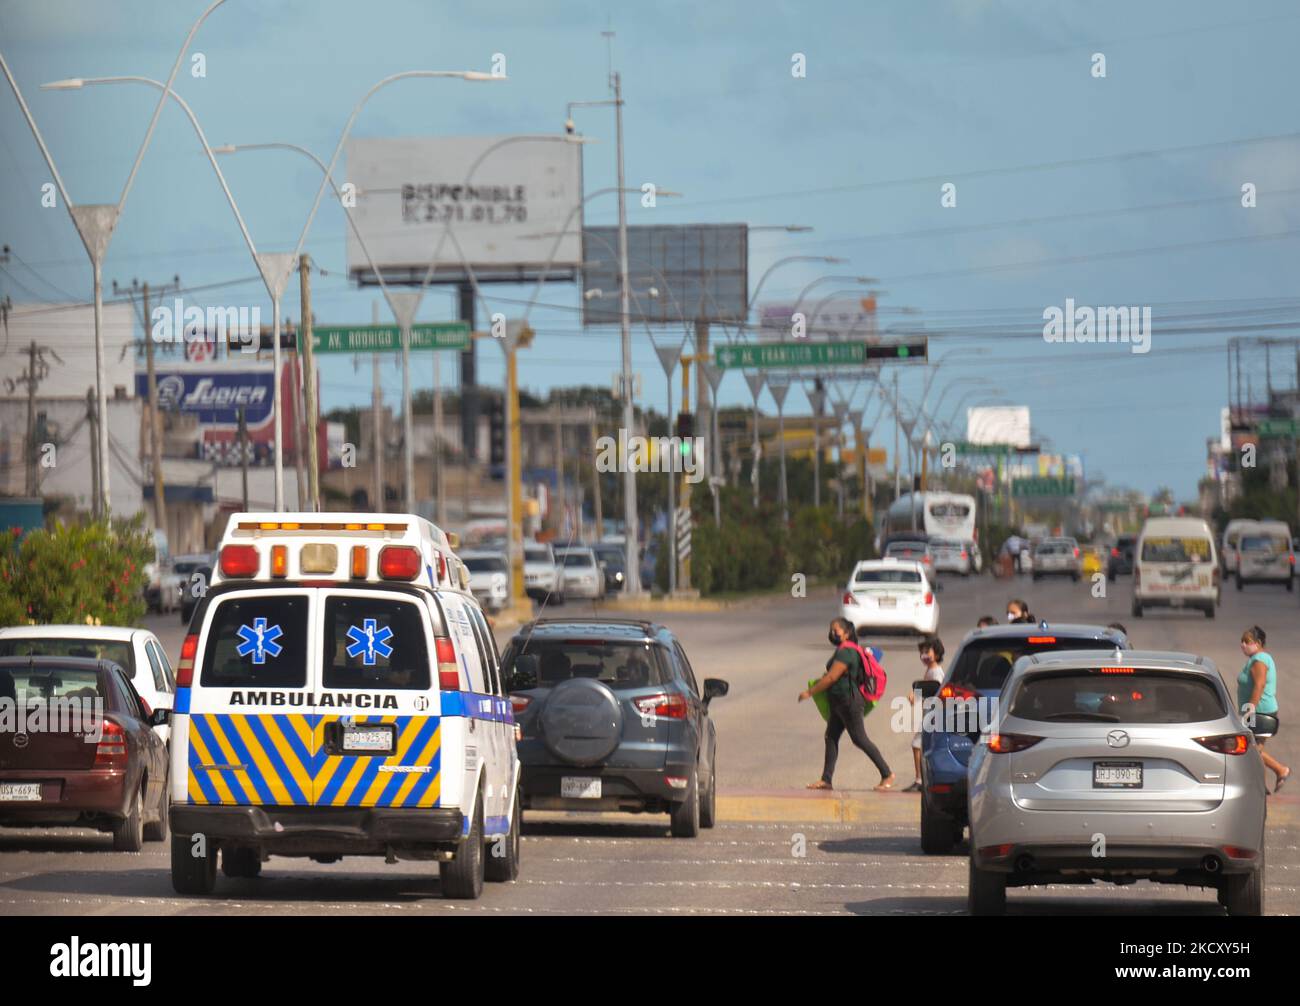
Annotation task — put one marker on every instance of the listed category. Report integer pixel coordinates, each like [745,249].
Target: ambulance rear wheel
[502,863]
[193,874]
[463,876]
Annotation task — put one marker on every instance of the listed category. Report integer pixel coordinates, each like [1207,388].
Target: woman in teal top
[1257,692]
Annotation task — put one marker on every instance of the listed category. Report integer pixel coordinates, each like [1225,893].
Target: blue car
[974,680]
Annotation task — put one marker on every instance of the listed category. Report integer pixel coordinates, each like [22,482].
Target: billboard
[500,210]
[699,272]
[214,395]
[833,318]
[998,424]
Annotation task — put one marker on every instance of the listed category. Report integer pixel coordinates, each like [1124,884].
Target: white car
[136,651]
[891,594]
[543,577]
[489,578]
[953,556]
[584,574]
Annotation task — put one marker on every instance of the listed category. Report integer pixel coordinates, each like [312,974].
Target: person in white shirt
[931,651]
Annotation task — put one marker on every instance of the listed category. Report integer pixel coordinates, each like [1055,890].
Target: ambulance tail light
[185,669]
[239,560]
[448,672]
[399,562]
[279,561]
[360,562]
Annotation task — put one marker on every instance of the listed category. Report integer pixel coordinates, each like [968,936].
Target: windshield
[1176,549]
[887,576]
[570,559]
[116,650]
[485,564]
[984,664]
[546,663]
[536,555]
[1088,695]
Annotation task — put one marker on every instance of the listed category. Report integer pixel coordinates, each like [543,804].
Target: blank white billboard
[998,424]
[501,210]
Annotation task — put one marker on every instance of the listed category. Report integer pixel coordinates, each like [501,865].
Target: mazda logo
[1117,739]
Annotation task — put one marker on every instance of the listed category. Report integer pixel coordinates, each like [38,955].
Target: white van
[1231,538]
[1175,565]
[339,693]
[1264,555]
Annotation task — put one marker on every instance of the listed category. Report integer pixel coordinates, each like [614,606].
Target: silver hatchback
[1104,765]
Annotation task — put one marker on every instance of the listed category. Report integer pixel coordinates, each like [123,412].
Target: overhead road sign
[388,338]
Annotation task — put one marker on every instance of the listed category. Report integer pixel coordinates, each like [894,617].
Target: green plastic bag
[823,703]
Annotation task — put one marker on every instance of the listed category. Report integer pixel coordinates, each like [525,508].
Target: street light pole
[633,569]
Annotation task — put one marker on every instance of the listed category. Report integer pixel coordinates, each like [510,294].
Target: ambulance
[339,694]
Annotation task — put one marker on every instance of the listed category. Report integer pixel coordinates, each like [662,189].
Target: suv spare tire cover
[582,721]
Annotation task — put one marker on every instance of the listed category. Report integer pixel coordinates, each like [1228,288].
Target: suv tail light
[448,672]
[239,560]
[672,707]
[1231,744]
[1076,553]
[957,692]
[111,752]
[519,703]
[399,562]
[1007,743]
[185,669]
[1114,553]
[849,598]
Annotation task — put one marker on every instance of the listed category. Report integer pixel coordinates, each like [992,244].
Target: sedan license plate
[375,740]
[887,602]
[1117,775]
[11,792]
[579,788]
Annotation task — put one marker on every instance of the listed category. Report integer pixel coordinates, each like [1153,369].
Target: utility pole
[559,470]
[37,370]
[595,479]
[94,449]
[633,568]
[243,454]
[309,383]
[377,440]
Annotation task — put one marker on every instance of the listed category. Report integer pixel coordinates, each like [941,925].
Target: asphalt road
[769,746]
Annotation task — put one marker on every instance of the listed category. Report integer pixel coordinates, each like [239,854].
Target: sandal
[819,784]
[1277,786]
[886,785]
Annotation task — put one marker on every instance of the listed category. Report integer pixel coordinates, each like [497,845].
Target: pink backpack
[873,688]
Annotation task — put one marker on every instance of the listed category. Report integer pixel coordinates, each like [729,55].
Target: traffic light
[497,432]
[685,433]
[909,351]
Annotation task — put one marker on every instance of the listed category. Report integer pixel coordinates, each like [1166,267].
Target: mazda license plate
[1117,775]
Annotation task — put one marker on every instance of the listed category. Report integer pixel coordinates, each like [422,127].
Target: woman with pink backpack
[843,683]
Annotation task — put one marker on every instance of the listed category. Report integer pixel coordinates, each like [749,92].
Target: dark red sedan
[77,749]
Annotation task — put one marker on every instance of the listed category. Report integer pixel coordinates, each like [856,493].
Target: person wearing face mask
[844,673]
[1018,613]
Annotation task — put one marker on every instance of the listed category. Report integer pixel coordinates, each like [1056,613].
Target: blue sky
[1116,191]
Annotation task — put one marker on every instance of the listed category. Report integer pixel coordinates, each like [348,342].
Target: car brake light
[964,554]
[1114,553]
[1115,670]
[849,598]
[448,672]
[519,703]
[399,562]
[239,560]
[1042,640]
[185,669]
[957,692]
[990,852]
[929,597]
[1076,553]
[1239,852]
[279,560]
[111,752]
[671,707]
[1231,744]
[1007,743]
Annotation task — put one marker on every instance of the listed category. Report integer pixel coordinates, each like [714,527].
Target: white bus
[938,515]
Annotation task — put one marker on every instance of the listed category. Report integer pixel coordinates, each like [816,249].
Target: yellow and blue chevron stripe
[280,760]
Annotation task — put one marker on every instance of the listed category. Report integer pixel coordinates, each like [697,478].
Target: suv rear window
[257,641]
[985,663]
[374,643]
[1088,696]
[547,663]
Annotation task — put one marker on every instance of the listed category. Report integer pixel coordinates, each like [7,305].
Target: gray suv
[1115,765]
[610,717]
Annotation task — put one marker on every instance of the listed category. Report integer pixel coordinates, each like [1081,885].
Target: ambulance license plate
[11,792]
[373,740]
[579,788]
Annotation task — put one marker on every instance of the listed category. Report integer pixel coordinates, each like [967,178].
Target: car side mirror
[715,688]
[928,688]
[160,717]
